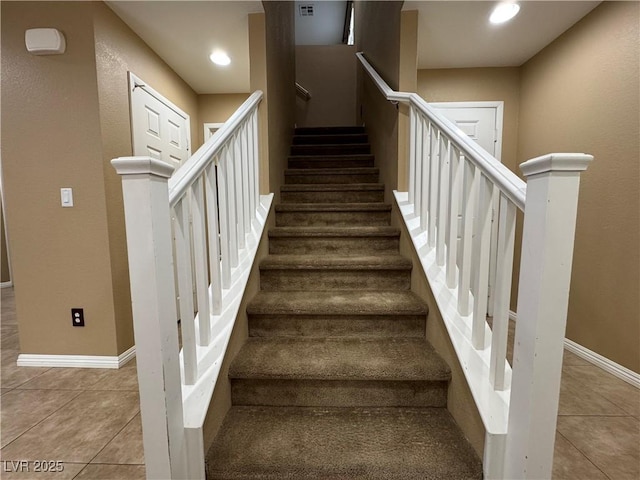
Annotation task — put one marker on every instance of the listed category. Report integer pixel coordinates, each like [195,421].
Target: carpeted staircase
[337,380]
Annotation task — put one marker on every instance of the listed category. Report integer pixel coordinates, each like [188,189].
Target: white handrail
[193,168]
[508,182]
[451,178]
[200,226]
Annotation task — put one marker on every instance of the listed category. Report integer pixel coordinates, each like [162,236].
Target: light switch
[66,196]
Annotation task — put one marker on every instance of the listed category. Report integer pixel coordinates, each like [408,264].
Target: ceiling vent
[306,10]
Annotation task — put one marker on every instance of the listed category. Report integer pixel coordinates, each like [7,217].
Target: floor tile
[12,376]
[125,378]
[78,432]
[22,409]
[9,338]
[570,464]
[576,398]
[9,356]
[611,443]
[619,392]
[111,472]
[126,447]
[570,358]
[5,390]
[66,379]
[17,471]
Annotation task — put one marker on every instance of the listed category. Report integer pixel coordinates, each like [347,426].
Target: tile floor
[89,419]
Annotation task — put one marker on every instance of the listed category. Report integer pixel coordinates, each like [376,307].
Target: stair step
[336,214]
[271,443]
[329,130]
[329,193]
[338,240]
[330,149]
[331,175]
[311,272]
[331,161]
[332,138]
[347,303]
[338,372]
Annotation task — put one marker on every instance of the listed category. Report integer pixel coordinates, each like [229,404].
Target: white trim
[615,369]
[207,130]
[8,284]
[76,361]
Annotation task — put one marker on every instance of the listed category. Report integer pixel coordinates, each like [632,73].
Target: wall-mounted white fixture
[220,58]
[504,12]
[45,41]
[66,197]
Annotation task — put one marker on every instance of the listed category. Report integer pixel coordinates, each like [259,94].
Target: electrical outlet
[77,317]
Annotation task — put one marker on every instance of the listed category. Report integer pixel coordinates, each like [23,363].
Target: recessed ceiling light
[220,58]
[504,12]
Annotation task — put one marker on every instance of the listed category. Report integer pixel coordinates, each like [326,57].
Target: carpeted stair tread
[329,138]
[330,149]
[353,303]
[340,443]
[360,231]
[332,187]
[333,207]
[296,358]
[341,129]
[336,262]
[331,171]
[334,160]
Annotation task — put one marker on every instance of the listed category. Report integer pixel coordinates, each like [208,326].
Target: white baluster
[251,170]
[433,186]
[230,184]
[412,154]
[256,155]
[226,230]
[457,165]
[211,194]
[500,330]
[149,248]
[470,185]
[238,174]
[244,137]
[443,203]
[545,274]
[200,260]
[419,166]
[185,290]
[482,250]
[426,169]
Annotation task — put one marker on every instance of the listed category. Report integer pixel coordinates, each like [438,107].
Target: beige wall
[52,139]
[76,106]
[281,74]
[4,257]
[118,51]
[377,28]
[216,108]
[329,73]
[582,94]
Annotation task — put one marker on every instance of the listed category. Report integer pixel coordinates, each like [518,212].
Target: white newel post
[147,218]
[545,275]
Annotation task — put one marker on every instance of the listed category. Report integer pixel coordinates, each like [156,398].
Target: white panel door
[159,128]
[482,122]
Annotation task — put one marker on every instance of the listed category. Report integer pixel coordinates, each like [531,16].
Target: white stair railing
[212,208]
[451,178]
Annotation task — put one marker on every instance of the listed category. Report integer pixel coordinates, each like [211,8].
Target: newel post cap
[556,162]
[142,166]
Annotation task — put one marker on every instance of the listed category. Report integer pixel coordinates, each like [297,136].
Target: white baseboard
[8,284]
[615,369]
[76,361]
[623,373]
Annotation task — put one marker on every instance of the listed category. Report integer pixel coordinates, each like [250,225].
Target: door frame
[136,82]
[499,106]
